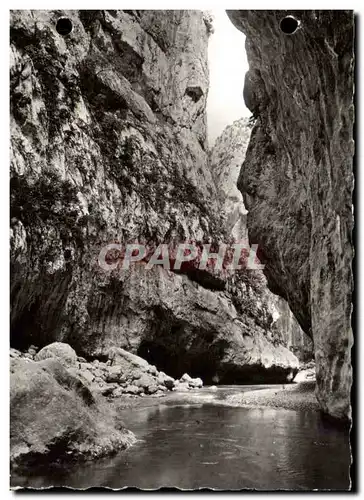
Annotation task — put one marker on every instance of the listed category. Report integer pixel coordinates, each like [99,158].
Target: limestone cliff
[226,158]
[108,135]
[297,177]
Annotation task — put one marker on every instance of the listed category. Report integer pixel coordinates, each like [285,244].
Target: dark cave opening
[176,362]
[206,364]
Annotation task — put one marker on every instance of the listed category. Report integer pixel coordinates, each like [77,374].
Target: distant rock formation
[227,157]
[297,178]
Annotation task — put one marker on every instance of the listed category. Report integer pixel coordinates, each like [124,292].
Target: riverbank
[289,397]
[298,397]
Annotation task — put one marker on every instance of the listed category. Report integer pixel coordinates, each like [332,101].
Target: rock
[108,389]
[28,355]
[305,375]
[146,381]
[98,373]
[126,360]
[118,392]
[133,389]
[183,387]
[95,388]
[195,382]
[32,351]
[14,353]
[50,408]
[185,378]
[136,373]
[153,370]
[297,179]
[165,380]
[213,388]
[100,381]
[80,359]
[62,352]
[151,389]
[86,375]
[114,373]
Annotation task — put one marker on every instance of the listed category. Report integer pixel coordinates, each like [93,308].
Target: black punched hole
[289,25]
[64,26]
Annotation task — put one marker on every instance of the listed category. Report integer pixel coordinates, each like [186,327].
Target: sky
[228,65]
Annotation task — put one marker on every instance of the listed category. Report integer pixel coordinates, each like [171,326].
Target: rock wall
[297,177]
[226,158]
[108,133]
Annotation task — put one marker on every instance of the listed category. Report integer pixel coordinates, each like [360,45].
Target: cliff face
[226,158]
[108,132]
[297,177]
[108,138]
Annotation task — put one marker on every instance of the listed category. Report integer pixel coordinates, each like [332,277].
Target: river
[200,442]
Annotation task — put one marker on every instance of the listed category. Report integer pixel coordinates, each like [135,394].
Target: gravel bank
[291,397]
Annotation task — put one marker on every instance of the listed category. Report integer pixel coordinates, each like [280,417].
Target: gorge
[109,146]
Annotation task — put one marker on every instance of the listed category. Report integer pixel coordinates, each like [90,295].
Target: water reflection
[195,446]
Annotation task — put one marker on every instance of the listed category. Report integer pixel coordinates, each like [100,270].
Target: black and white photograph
[181,249]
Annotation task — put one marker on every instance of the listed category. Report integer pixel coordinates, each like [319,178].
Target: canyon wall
[226,158]
[108,136]
[297,177]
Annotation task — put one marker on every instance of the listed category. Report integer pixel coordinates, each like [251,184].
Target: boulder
[152,369]
[119,391]
[196,383]
[14,353]
[59,350]
[100,381]
[151,389]
[108,389]
[113,373]
[183,387]
[53,414]
[185,378]
[86,375]
[147,382]
[133,389]
[97,372]
[165,380]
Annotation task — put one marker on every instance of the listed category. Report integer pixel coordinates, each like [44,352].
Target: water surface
[211,445]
